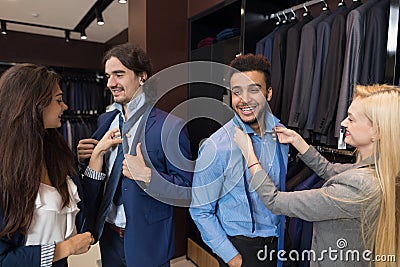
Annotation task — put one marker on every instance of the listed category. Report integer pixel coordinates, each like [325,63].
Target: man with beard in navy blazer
[130,183]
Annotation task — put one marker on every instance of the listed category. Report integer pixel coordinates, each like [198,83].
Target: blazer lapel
[104,124]
[147,121]
[151,118]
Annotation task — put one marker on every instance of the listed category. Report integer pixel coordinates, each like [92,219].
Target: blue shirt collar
[132,105]
[270,121]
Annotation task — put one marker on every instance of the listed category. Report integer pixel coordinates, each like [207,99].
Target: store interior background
[165,30]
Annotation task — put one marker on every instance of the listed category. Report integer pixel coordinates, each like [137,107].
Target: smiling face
[249,96]
[123,82]
[359,130]
[52,113]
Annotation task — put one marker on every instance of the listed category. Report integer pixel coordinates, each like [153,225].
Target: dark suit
[323,39]
[149,233]
[304,73]
[353,59]
[292,53]
[376,36]
[330,86]
[278,67]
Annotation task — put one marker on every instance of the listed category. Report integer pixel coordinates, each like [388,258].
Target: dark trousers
[112,249]
[253,251]
[60,263]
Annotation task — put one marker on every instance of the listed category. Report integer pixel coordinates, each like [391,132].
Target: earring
[141,82]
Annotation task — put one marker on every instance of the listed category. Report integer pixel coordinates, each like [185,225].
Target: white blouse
[52,223]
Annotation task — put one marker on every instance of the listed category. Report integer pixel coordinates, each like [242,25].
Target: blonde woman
[356,212]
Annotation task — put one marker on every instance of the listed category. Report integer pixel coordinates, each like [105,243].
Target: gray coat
[335,208]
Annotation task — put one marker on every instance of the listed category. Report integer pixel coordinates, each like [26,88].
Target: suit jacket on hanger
[353,59]
[373,69]
[323,40]
[278,67]
[327,103]
[304,73]
[292,53]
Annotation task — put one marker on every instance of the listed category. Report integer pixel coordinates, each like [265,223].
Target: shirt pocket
[235,209]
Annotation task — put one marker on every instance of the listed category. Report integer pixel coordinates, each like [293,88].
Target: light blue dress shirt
[116,214]
[220,206]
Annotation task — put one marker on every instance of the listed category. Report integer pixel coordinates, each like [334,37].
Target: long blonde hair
[381,104]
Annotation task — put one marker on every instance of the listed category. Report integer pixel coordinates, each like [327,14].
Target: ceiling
[64,14]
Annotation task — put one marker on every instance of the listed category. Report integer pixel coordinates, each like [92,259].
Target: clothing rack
[293,9]
[336,151]
[95,77]
[66,72]
[79,74]
[79,117]
[7,64]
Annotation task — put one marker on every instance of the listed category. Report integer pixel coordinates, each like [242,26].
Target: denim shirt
[220,206]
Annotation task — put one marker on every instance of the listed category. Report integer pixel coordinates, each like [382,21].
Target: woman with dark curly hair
[38,199]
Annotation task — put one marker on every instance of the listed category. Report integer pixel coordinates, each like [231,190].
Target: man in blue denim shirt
[230,216]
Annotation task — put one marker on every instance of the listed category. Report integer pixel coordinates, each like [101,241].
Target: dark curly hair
[251,62]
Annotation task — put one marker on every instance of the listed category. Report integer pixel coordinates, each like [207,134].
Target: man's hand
[85,148]
[135,168]
[236,261]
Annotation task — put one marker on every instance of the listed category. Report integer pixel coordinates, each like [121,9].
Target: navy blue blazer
[149,233]
[13,252]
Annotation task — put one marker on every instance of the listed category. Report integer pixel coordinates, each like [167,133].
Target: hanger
[294,14]
[285,20]
[279,19]
[306,10]
[325,7]
[341,3]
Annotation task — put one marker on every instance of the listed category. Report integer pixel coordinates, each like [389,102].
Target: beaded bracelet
[254,164]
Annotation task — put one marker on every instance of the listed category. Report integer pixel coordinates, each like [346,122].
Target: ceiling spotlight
[83,35]
[67,36]
[99,17]
[3,27]
[122,1]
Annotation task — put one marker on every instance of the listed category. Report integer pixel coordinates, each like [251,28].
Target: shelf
[210,22]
